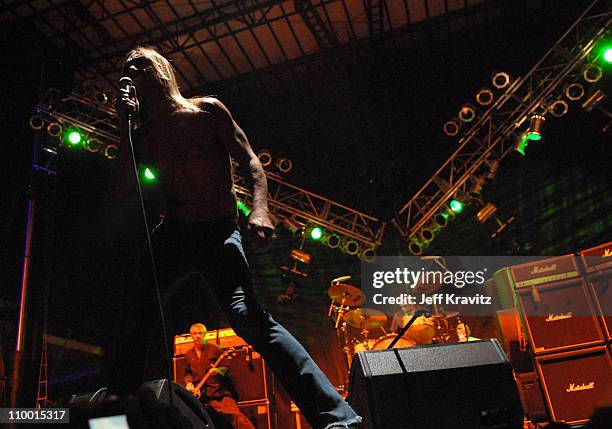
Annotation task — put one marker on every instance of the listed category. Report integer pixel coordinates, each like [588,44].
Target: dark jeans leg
[227,272]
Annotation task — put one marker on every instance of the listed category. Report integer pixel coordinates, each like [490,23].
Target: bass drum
[384,341]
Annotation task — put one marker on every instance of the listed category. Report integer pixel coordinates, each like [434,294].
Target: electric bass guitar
[229,353]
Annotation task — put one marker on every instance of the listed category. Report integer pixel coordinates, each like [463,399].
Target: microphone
[125,82]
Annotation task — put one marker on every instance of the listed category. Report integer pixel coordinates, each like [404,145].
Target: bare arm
[237,144]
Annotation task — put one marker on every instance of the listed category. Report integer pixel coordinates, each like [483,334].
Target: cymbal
[353,297]
[365,318]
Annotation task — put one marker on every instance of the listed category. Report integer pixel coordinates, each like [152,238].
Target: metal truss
[287,201]
[306,208]
[493,134]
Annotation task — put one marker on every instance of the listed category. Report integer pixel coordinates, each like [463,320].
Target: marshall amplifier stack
[565,308]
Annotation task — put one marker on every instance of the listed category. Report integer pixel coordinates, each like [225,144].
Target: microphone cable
[122,82]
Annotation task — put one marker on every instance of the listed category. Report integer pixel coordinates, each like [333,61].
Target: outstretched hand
[260,225]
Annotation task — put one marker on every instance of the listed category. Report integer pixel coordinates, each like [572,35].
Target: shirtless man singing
[189,143]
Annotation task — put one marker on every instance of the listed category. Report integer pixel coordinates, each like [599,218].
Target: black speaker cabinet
[187,404]
[90,405]
[559,316]
[467,385]
[575,383]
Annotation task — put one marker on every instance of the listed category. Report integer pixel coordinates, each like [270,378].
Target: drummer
[405,313]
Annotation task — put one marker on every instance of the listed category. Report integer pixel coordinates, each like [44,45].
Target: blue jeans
[215,250]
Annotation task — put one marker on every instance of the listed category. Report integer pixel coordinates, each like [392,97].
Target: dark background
[366,132]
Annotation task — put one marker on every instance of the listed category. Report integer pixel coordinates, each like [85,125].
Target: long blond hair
[163,73]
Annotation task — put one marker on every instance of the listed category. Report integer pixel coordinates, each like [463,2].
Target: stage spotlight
[284,165]
[486,212]
[92,145]
[467,113]
[558,108]
[316,233]
[521,144]
[333,241]
[592,73]
[73,137]
[535,127]
[441,219]
[265,157]
[300,256]
[607,54]
[54,129]
[242,207]
[111,151]
[37,122]
[415,247]
[500,80]
[149,175]
[574,91]
[456,206]
[484,96]
[351,247]
[427,235]
[369,254]
[451,128]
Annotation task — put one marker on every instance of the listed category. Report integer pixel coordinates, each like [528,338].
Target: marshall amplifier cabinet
[601,288]
[575,383]
[559,316]
[597,258]
[225,338]
[544,271]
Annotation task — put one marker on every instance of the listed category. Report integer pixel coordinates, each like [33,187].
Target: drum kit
[346,310]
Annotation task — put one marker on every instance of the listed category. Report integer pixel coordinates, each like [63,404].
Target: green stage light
[149,175]
[522,144]
[243,208]
[456,206]
[608,54]
[73,137]
[316,233]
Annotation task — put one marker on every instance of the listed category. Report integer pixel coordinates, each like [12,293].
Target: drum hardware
[346,296]
[365,319]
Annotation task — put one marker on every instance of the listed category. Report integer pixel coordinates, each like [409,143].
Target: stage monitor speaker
[94,404]
[466,385]
[559,316]
[184,401]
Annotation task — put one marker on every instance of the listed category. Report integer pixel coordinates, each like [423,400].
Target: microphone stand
[151,255]
[402,331]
